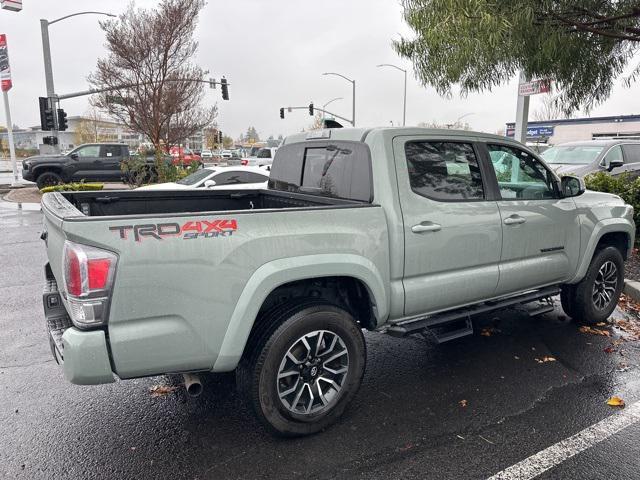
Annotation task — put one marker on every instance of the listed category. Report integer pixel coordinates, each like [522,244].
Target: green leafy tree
[252,135]
[583,46]
[227,142]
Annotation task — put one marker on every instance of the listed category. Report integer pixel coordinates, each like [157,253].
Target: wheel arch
[353,272]
[610,232]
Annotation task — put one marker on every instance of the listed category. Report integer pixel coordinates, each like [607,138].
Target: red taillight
[98,273]
[88,271]
[244,162]
[73,277]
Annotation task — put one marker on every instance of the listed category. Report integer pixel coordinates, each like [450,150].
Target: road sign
[5,70]
[534,87]
[534,132]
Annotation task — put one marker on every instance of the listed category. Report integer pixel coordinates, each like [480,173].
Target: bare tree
[152,81]
[550,109]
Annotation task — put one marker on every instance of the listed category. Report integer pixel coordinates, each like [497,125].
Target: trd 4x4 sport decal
[186,231]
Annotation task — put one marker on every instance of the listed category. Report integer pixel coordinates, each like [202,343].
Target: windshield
[572,155]
[196,177]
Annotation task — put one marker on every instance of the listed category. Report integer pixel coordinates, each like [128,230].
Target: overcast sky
[273,53]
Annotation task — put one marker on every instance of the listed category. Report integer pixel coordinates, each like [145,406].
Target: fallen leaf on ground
[609,350]
[545,359]
[615,402]
[161,390]
[595,331]
[463,403]
[488,331]
[601,324]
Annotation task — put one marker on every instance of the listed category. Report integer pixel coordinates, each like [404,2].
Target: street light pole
[353,102]
[48,69]
[331,101]
[404,102]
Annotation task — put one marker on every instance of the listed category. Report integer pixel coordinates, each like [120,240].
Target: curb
[632,289]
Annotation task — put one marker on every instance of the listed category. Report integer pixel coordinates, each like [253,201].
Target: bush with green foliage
[72,187]
[138,171]
[624,186]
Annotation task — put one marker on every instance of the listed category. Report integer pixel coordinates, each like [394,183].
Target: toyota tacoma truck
[395,230]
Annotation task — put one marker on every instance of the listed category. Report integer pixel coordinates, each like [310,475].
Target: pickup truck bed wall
[97,204]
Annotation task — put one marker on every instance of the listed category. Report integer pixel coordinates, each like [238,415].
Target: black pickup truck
[90,162]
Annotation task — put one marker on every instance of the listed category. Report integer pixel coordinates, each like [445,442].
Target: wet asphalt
[466,409]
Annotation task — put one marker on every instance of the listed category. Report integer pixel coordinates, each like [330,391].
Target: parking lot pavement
[467,409]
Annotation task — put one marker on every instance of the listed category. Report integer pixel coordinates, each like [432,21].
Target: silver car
[582,158]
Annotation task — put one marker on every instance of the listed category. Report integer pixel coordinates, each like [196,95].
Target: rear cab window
[338,169]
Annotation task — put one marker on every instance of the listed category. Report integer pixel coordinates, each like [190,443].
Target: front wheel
[304,368]
[597,294]
[48,179]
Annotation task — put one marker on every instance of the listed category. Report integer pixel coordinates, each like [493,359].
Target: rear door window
[632,153]
[228,178]
[445,171]
[111,151]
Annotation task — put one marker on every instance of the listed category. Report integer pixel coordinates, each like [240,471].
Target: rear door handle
[514,220]
[426,227]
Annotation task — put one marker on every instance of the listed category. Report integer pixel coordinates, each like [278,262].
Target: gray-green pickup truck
[397,230]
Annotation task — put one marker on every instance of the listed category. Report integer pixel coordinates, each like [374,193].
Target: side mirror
[615,164]
[74,156]
[572,186]
[209,183]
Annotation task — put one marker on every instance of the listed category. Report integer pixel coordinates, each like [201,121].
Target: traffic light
[47,121]
[212,83]
[220,136]
[225,89]
[62,120]
[50,140]
[282,113]
[311,109]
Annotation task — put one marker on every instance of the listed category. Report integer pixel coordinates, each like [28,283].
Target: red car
[183,156]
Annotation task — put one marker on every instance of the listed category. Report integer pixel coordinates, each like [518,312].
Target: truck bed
[139,203]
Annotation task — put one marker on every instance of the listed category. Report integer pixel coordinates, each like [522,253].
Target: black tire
[282,330]
[567,299]
[48,179]
[583,306]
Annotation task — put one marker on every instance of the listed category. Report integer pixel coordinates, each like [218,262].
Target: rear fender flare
[279,272]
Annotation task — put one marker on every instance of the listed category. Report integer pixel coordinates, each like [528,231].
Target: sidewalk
[33,195]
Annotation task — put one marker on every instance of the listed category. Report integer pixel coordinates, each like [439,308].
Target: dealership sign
[533,132]
[5,71]
[534,87]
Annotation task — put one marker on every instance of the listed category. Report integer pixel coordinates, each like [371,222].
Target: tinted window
[520,176]
[195,177]
[339,169]
[250,177]
[572,154]
[632,152]
[112,151]
[444,170]
[88,151]
[228,178]
[264,153]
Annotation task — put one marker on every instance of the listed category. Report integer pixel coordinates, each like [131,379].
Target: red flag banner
[5,70]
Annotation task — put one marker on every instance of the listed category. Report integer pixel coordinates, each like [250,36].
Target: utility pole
[404,101]
[12,149]
[522,113]
[48,69]
[353,101]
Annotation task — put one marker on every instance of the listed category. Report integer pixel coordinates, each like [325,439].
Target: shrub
[72,187]
[623,185]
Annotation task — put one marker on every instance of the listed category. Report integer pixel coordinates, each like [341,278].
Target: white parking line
[556,454]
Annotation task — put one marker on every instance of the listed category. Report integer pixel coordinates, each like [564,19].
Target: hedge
[72,187]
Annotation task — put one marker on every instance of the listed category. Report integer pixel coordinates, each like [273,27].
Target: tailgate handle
[426,227]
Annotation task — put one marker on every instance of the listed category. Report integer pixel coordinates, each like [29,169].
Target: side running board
[433,322]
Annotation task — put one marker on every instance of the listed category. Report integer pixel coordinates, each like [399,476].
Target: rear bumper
[83,354]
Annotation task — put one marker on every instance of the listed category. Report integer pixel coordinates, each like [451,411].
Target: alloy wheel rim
[605,285]
[312,373]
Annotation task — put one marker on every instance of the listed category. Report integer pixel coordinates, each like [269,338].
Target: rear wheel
[597,294]
[304,368]
[48,179]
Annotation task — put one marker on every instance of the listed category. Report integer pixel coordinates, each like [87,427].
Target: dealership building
[553,132]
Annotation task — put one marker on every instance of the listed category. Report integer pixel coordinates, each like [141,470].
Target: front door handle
[426,227]
[514,220]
